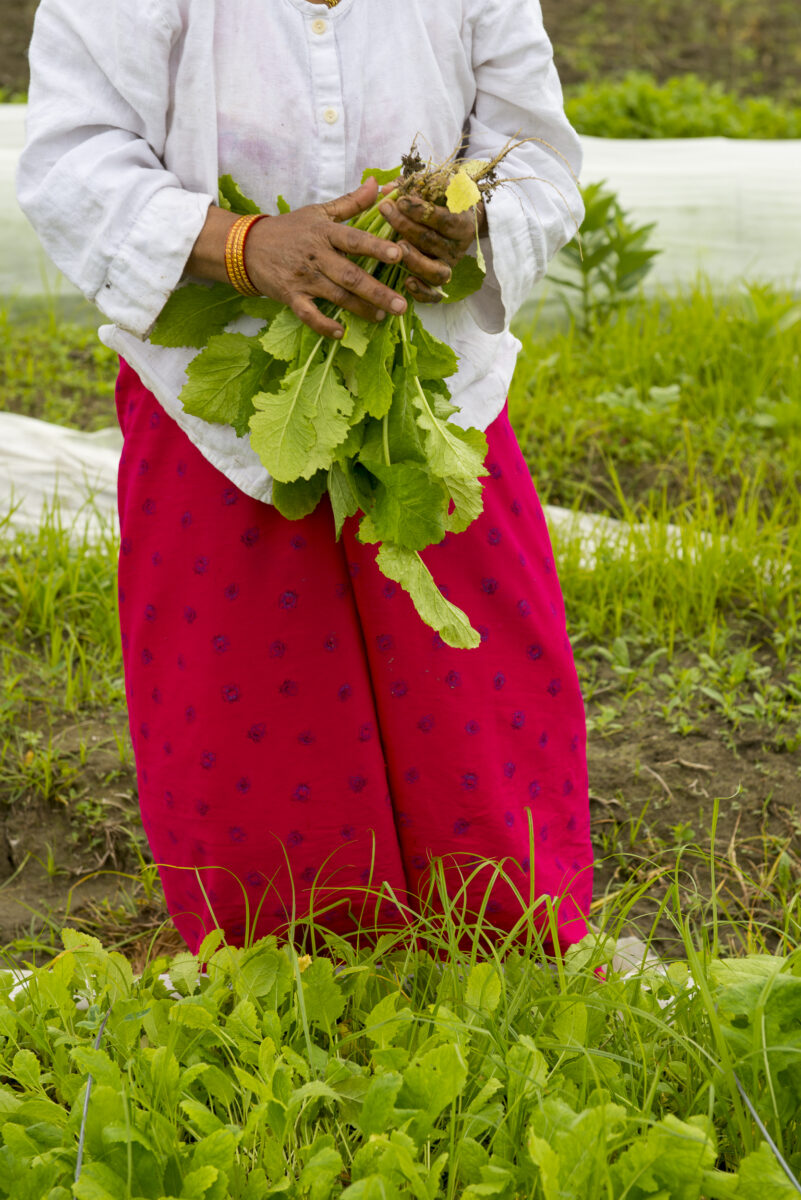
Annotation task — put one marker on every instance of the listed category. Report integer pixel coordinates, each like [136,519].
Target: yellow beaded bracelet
[235,254]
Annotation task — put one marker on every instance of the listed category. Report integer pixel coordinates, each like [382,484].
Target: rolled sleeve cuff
[151,261]
[513,263]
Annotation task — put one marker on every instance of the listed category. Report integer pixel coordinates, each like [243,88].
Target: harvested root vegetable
[366,418]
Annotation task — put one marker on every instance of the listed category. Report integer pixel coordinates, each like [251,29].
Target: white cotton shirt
[136,107]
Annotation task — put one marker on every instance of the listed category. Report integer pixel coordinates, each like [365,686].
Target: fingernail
[385,209]
[398,306]
[404,202]
[394,253]
[379,314]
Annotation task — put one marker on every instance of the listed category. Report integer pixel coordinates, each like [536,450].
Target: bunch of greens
[365,419]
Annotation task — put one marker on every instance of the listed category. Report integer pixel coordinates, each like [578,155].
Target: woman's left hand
[432,239]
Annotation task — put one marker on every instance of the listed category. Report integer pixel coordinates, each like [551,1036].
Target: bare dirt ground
[652,790]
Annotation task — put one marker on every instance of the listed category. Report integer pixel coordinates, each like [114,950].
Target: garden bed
[681,411]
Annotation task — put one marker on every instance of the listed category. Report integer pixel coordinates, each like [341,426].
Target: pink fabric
[294,720]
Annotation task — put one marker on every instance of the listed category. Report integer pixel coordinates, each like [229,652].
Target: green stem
[386,439]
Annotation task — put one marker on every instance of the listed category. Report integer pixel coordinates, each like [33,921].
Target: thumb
[352,203]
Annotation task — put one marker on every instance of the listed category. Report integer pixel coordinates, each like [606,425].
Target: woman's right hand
[306,255]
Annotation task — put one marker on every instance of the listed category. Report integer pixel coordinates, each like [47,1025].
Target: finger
[308,312]
[357,243]
[326,289]
[429,270]
[352,203]
[422,293]
[421,236]
[455,226]
[390,187]
[346,274]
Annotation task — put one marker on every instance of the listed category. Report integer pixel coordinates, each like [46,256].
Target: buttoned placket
[329,104]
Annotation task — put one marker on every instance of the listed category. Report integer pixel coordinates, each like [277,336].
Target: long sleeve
[519,96]
[92,179]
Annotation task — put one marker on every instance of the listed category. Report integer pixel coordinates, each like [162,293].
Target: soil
[651,791]
[753,46]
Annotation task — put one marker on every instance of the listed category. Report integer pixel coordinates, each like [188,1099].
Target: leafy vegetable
[366,419]
[417,1075]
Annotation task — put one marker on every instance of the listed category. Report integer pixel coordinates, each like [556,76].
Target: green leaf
[467,278]
[468,499]
[320,1173]
[301,497]
[450,450]
[433,1081]
[233,198]
[222,380]
[322,995]
[352,443]
[283,338]
[296,430]
[344,500]
[673,1156]
[261,307]
[217,1150]
[373,370]
[198,1182]
[97,1064]
[570,1025]
[409,508]
[192,1014]
[206,1121]
[195,313]
[377,1114]
[26,1069]
[382,176]
[546,1158]
[384,1024]
[98,1182]
[435,360]
[407,568]
[282,206]
[403,432]
[358,332]
[484,987]
[761,1176]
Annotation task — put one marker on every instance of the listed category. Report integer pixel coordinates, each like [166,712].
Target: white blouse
[137,106]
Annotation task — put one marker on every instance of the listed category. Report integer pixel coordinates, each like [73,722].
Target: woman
[301,738]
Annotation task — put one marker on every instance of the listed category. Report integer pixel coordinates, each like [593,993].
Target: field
[680,412]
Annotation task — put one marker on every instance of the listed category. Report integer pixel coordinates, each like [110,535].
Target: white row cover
[41,464]
[728,208]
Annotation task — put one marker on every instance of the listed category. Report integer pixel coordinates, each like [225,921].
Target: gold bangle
[235,254]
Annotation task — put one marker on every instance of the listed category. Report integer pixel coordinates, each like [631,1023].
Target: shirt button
[319,26]
[331,116]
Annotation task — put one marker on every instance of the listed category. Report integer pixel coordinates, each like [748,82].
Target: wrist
[207,260]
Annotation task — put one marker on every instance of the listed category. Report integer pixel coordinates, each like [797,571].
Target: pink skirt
[305,744]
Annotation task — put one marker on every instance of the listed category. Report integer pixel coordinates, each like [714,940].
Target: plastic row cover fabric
[43,465]
[726,207]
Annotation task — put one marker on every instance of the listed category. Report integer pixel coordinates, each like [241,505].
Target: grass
[442,1061]
[52,366]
